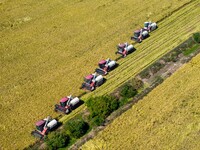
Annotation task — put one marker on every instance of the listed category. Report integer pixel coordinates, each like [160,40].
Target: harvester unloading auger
[44,126]
[67,104]
[92,81]
[105,66]
[124,49]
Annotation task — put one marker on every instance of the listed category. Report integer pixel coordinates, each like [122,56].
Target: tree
[100,107]
[76,127]
[128,91]
[56,140]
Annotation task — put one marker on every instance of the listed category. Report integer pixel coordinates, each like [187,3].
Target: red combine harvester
[44,126]
[124,49]
[139,35]
[105,66]
[67,104]
[92,81]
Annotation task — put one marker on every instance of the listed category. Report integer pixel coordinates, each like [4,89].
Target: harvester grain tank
[67,104]
[139,35]
[150,26]
[124,49]
[105,66]
[44,126]
[92,81]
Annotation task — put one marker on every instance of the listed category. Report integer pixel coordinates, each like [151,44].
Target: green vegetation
[76,127]
[156,67]
[56,140]
[196,37]
[128,91]
[167,118]
[123,101]
[136,83]
[188,51]
[100,107]
[47,47]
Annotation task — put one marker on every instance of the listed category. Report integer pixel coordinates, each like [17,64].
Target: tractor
[67,104]
[44,126]
[124,49]
[150,26]
[92,81]
[105,66]
[139,35]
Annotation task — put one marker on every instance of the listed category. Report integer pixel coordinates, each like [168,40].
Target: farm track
[171,32]
[39,65]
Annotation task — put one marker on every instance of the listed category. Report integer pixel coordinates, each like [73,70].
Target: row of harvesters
[96,79]
[69,103]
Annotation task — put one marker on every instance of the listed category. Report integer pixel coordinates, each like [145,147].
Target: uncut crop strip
[161,41]
[167,118]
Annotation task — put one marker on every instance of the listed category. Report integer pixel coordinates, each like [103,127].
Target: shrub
[123,101]
[145,74]
[100,107]
[56,140]
[158,79]
[173,56]
[156,67]
[76,127]
[128,91]
[189,51]
[136,83]
[196,37]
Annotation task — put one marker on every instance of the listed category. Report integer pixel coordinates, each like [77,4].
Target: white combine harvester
[150,26]
[124,49]
[105,66]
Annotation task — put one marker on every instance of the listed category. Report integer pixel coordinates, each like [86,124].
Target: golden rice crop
[47,47]
[167,118]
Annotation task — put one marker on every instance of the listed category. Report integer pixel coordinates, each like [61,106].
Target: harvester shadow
[114,67]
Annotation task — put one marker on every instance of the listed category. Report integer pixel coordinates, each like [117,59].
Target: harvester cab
[150,26]
[139,35]
[67,104]
[91,81]
[44,126]
[124,49]
[105,66]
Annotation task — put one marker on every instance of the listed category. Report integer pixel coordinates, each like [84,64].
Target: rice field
[167,118]
[46,48]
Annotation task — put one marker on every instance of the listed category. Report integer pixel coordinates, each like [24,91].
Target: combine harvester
[124,49]
[150,26]
[67,104]
[139,35]
[105,66]
[143,33]
[92,81]
[44,126]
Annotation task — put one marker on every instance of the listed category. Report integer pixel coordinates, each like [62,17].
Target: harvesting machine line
[91,81]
